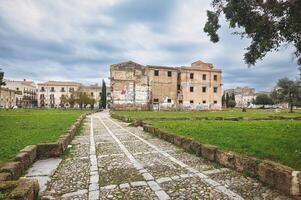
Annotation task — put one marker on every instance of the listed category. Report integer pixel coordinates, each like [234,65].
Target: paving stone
[138,183]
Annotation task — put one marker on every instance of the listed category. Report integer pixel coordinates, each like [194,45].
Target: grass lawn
[20,127]
[278,140]
[251,113]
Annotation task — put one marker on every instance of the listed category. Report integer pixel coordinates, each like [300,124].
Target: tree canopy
[269,24]
[263,99]
[287,91]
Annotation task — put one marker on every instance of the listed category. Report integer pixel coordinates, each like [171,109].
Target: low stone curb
[133,120]
[27,156]
[273,174]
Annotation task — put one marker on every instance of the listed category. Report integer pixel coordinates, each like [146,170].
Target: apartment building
[244,96]
[50,93]
[7,98]
[93,91]
[138,87]
[26,92]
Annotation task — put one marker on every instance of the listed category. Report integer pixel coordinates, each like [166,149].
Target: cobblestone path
[112,160]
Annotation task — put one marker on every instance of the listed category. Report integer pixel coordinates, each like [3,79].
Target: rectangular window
[204,102]
[52,89]
[215,77]
[156,100]
[169,74]
[191,75]
[62,89]
[203,89]
[168,100]
[191,89]
[191,101]
[71,89]
[204,77]
[42,89]
[215,89]
[215,102]
[179,86]
[180,101]
[156,72]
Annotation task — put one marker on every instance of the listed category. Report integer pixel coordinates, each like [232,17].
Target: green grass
[251,113]
[278,140]
[19,128]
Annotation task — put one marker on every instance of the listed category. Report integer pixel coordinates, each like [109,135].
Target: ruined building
[139,87]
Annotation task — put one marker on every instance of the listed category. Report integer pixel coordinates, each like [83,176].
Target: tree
[2,83]
[103,99]
[83,100]
[227,100]
[263,99]
[288,91]
[64,100]
[223,101]
[72,100]
[269,24]
[231,103]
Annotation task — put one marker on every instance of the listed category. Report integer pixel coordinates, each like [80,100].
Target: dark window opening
[180,101]
[179,86]
[62,89]
[215,77]
[191,75]
[156,100]
[191,101]
[204,77]
[203,89]
[169,74]
[215,89]
[156,72]
[168,100]
[191,89]
[204,102]
[215,102]
[52,89]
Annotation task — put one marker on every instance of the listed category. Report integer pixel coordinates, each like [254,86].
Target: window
[168,100]
[215,77]
[62,89]
[42,89]
[191,75]
[215,89]
[204,77]
[156,100]
[204,102]
[180,101]
[71,89]
[52,89]
[191,89]
[179,75]
[17,88]
[215,102]
[156,72]
[191,101]
[179,87]
[204,89]
[92,94]
[169,74]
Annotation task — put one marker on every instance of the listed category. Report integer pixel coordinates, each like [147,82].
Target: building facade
[244,96]
[26,92]
[139,87]
[93,91]
[7,98]
[51,93]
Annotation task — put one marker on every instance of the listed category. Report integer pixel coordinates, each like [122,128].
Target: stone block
[196,147]
[186,144]
[32,152]
[208,151]
[24,158]
[224,158]
[14,168]
[49,150]
[5,176]
[64,141]
[276,175]
[247,165]
[177,140]
[27,189]
[6,186]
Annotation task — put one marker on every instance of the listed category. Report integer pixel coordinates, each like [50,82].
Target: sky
[77,40]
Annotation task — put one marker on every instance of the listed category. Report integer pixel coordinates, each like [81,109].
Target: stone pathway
[112,160]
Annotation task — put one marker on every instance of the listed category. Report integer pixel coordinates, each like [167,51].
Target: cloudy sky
[78,40]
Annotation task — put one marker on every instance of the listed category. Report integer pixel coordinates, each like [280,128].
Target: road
[112,160]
